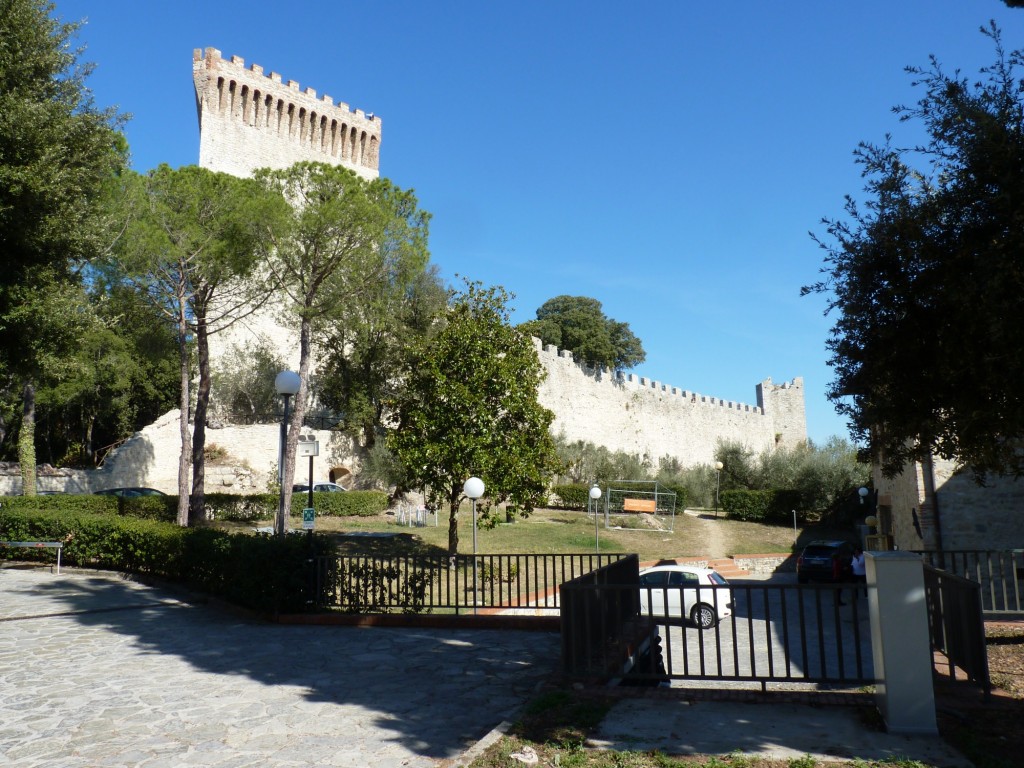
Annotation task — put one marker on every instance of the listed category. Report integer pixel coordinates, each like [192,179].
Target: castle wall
[248,120]
[624,412]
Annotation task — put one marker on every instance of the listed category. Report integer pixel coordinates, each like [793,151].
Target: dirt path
[710,532]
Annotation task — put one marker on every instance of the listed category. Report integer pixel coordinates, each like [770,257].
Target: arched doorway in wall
[341,475]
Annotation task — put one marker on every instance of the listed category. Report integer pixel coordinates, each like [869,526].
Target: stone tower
[248,120]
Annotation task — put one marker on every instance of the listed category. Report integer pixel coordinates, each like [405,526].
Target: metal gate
[787,634]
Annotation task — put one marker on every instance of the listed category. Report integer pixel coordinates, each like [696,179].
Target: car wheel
[703,615]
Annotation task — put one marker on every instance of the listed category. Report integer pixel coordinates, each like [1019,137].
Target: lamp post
[718,482]
[286,383]
[474,489]
[595,494]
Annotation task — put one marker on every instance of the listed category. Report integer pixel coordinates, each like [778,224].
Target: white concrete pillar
[900,647]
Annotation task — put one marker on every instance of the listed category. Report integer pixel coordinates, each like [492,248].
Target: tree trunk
[453,525]
[88,452]
[197,502]
[186,439]
[27,440]
[298,415]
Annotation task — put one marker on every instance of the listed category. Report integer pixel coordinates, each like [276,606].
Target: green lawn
[559,531]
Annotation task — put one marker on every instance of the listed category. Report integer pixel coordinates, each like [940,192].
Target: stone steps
[727,567]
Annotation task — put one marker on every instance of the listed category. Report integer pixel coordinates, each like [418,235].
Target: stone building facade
[932,505]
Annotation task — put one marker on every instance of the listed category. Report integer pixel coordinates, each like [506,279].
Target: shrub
[372,586]
[681,495]
[352,503]
[265,573]
[572,495]
[773,506]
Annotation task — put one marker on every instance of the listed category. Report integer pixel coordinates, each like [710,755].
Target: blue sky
[665,158]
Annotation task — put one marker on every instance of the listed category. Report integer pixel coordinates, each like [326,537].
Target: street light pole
[595,494]
[287,384]
[474,489]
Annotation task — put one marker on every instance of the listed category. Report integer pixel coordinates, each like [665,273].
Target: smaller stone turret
[784,405]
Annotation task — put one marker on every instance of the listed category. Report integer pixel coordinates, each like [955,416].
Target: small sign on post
[308,519]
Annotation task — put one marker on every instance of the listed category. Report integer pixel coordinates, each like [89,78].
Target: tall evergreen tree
[191,247]
[926,279]
[346,237]
[578,323]
[58,152]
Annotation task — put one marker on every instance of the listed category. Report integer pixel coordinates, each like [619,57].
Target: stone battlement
[644,416]
[250,120]
[620,378]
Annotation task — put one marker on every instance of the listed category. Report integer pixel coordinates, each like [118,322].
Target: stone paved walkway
[98,671]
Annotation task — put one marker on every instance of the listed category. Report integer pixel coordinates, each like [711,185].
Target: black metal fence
[777,633]
[601,631]
[999,572]
[956,626]
[417,584]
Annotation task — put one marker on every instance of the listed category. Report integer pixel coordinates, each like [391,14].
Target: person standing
[859,572]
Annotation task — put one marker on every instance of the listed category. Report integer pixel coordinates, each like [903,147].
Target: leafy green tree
[585,462]
[577,323]
[370,347]
[346,236]
[190,247]
[470,408]
[57,154]
[925,280]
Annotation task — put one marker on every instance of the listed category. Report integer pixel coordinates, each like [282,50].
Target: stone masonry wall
[248,120]
[639,415]
[150,458]
[968,516]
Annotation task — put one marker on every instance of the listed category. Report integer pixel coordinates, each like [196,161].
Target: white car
[318,487]
[682,591]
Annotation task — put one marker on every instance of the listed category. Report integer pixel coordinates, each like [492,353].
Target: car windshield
[717,578]
[822,551]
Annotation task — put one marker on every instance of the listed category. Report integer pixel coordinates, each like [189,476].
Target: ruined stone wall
[624,412]
[150,459]
[249,120]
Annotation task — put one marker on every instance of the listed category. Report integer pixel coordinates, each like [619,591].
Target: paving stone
[100,671]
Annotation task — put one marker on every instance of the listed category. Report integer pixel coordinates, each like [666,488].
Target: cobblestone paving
[98,671]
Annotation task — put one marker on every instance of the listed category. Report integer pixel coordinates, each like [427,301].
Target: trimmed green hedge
[145,507]
[355,503]
[261,572]
[235,507]
[679,491]
[772,506]
[571,495]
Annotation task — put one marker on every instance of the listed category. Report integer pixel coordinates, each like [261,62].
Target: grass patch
[560,531]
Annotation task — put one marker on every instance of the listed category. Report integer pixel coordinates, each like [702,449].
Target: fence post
[900,647]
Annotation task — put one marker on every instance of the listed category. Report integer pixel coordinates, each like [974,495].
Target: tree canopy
[470,409]
[190,248]
[58,153]
[577,323]
[345,236]
[925,279]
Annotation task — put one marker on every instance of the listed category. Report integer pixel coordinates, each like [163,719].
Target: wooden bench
[58,545]
[639,505]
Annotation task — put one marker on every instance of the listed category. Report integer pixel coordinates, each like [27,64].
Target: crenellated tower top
[250,120]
